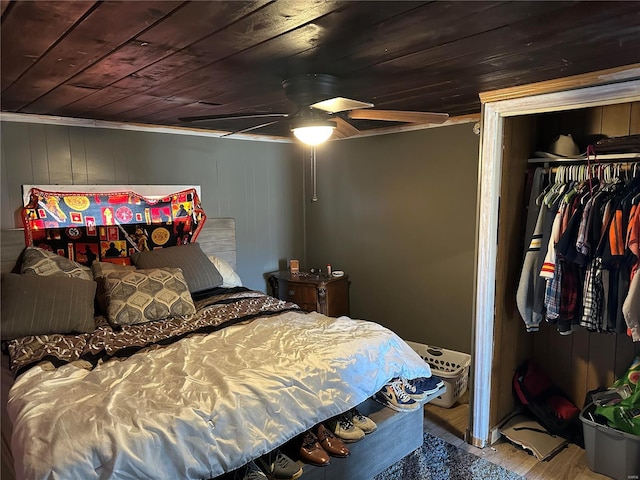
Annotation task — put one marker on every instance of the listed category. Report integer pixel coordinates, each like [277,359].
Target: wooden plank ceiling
[153,62]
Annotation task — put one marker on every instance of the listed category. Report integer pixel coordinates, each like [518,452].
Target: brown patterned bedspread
[212,313]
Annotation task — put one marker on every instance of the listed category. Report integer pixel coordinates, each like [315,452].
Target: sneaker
[278,466]
[429,385]
[344,429]
[361,421]
[413,391]
[393,396]
[249,472]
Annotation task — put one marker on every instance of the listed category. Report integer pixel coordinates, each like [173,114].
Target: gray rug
[439,460]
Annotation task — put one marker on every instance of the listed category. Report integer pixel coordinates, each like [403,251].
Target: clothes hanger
[557,187]
[550,182]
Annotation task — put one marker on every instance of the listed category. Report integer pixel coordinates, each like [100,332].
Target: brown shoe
[331,443]
[311,451]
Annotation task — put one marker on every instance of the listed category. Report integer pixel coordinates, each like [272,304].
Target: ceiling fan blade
[398,116]
[233,116]
[344,129]
[255,127]
[340,104]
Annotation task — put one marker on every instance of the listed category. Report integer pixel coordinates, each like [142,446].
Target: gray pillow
[138,296]
[199,272]
[37,305]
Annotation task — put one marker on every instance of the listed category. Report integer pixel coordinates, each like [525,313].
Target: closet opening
[514,127]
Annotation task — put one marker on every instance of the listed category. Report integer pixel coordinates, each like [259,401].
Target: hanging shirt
[631,309]
[633,238]
[592,300]
[549,265]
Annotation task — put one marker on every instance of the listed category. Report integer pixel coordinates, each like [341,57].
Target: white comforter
[203,405]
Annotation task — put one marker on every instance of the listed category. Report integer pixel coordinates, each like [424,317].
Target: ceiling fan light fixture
[313,132]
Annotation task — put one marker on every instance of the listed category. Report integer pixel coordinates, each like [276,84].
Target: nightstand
[320,293]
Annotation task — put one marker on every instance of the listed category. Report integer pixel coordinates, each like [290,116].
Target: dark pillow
[37,305]
[199,272]
[138,296]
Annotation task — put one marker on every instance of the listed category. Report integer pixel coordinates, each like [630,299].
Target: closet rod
[605,157]
[623,166]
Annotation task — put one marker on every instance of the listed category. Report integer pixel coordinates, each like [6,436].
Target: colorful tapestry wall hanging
[110,227]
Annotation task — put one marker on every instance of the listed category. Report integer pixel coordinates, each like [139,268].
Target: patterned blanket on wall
[110,227]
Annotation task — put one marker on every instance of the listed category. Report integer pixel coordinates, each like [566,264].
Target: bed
[197,395]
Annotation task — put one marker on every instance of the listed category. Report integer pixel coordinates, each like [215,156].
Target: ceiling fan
[320,111]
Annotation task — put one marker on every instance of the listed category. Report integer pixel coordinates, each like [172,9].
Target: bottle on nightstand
[294,266]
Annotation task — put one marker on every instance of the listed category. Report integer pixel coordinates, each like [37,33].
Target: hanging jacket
[529,276]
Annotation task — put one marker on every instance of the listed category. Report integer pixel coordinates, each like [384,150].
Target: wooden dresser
[321,293]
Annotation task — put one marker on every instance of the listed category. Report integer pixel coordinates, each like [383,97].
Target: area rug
[439,460]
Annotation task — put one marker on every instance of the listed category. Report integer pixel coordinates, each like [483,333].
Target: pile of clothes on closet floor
[330,438]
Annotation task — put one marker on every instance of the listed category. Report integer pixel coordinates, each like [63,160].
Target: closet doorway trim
[493,117]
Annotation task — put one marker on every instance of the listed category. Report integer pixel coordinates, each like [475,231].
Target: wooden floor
[450,424]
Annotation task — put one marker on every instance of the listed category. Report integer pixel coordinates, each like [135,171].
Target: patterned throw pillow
[37,261]
[198,271]
[99,271]
[139,296]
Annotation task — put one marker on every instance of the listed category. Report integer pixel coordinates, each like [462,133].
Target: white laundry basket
[451,366]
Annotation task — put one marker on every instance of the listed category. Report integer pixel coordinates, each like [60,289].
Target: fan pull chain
[314,198]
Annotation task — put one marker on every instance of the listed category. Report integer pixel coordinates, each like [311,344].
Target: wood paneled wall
[579,362]
[587,125]
[259,184]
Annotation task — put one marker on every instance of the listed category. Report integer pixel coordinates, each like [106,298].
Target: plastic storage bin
[451,366]
[610,451]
